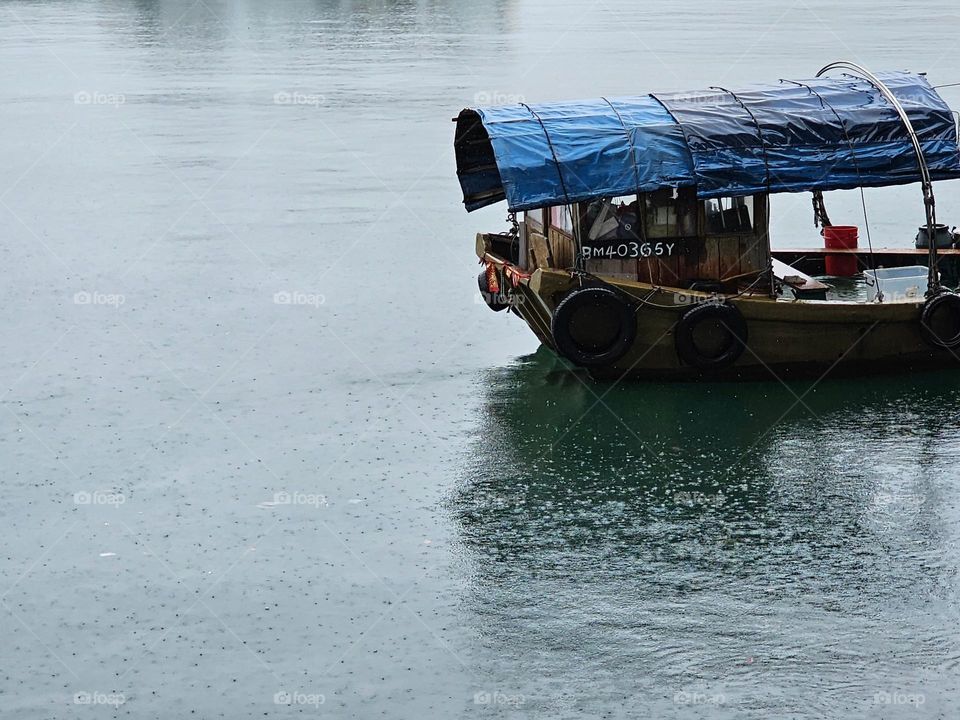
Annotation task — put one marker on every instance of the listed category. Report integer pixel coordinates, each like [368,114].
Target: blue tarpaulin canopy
[793,136]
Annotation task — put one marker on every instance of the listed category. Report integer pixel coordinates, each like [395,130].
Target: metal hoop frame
[929,202]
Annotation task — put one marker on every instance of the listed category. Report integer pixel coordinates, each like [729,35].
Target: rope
[760,276]
[866,223]
[820,217]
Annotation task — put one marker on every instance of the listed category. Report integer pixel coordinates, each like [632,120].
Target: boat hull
[786,338]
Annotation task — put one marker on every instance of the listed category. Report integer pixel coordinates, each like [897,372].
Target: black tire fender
[495,301]
[945,304]
[729,318]
[594,326]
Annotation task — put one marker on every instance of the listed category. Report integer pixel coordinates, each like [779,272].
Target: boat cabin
[664,237]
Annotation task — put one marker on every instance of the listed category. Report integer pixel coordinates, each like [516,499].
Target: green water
[737,549]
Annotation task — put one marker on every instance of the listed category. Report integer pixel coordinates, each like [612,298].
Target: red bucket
[841,237]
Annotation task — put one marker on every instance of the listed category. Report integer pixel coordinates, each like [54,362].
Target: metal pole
[933,279]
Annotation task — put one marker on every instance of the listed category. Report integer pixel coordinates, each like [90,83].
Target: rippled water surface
[265,455]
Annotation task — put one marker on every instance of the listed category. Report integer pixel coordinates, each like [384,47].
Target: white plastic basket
[898,284]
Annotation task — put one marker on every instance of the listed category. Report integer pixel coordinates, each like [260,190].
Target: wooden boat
[643,249]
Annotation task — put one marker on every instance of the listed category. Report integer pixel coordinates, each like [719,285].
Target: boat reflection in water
[677,543]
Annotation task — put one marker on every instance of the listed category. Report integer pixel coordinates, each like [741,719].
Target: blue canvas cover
[793,136]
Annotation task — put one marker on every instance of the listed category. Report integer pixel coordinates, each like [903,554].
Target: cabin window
[608,219]
[561,219]
[670,213]
[535,217]
[729,215]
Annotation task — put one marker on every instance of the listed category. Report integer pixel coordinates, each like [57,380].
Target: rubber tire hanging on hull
[495,301]
[931,326]
[731,323]
[593,326]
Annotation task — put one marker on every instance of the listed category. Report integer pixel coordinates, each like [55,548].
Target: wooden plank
[757,254]
[539,249]
[709,268]
[624,269]
[554,245]
[790,276]
[689,261]
[647,271]
[482,245]
[669,270]
[745,252]
[728,257]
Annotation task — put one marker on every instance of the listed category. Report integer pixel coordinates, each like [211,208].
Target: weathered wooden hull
[787,338]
